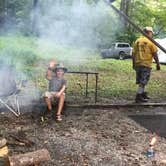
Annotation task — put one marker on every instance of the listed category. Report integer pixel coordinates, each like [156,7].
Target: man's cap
[60,66]
[148,29]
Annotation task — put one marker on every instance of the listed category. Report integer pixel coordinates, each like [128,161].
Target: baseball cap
[149,29]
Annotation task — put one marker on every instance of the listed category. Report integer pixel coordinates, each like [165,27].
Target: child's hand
[58,94]
[52,63]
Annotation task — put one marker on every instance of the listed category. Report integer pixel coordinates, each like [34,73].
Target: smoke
[78,24]
[67,31]
[7,82]
[161,54]
[14,75]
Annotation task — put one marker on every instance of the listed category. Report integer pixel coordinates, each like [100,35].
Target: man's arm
[155,56]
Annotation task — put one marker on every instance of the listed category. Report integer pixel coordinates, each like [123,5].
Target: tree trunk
[124,7]
[3,11]
[28,158]
[35,17]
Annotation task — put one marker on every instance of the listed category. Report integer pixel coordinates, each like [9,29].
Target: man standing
[144,51]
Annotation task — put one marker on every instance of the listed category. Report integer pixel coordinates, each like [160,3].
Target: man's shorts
[51,94]
[142,75]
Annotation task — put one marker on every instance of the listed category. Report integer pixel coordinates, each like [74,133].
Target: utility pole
[134,25]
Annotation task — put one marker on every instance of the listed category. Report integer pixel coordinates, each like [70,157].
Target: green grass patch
[116,77]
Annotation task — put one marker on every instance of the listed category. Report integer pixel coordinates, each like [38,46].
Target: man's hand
[158,66]
[133,66]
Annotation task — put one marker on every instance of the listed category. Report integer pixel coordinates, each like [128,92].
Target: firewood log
[163,162]
[4,151]
[30,158]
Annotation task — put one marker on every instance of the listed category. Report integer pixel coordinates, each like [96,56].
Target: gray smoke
[7,80]
[12,78]
[77,24]
[77,27]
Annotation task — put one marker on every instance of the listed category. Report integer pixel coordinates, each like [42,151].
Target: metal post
[87,81]
[96,88]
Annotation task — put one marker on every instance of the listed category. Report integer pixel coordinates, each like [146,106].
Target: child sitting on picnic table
[56,88]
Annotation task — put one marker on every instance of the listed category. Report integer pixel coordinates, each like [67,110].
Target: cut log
[4,151]
[163,162]
[31,158]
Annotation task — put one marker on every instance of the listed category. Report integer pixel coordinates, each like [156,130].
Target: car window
[119,45]
[122,45]
[126,45]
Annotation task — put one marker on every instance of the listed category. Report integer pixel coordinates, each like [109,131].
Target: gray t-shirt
[56,84]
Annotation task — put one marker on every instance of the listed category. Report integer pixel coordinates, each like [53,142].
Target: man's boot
[145,95]
[139,98]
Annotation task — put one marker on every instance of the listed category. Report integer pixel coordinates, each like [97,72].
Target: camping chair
[9,90]
[11,102]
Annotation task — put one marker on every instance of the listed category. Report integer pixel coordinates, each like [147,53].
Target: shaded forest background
[22,17]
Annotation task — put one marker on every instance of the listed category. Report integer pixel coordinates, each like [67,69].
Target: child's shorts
[51,94]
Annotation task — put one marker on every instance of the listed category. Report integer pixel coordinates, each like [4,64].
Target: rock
[3,142]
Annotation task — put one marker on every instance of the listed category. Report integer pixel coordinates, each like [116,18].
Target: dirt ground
[86,137]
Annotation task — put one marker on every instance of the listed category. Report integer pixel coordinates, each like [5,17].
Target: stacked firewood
[30,158]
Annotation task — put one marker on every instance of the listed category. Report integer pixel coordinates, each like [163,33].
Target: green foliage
[116,81]
[19,52]
[151,13]
[143,13]
[109,29]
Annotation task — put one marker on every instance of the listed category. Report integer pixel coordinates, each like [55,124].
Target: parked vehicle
[118,50]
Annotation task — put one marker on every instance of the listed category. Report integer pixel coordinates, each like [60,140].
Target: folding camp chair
[9,90]
[11,103]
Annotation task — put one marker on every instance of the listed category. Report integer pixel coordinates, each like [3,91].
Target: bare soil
[87,137]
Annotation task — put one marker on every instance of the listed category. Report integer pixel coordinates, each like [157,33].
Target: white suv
[118,51]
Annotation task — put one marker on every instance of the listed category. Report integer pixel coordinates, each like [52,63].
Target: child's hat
[60,66]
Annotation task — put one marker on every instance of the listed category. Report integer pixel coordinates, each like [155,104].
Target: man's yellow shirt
[144,50]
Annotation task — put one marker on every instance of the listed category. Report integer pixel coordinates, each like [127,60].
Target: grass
[116,77]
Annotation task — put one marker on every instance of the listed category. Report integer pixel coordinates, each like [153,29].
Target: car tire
[122,55]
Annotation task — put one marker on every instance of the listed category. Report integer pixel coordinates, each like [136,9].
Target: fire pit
[154,123]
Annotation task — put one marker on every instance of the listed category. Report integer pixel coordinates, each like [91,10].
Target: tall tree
[125,7]
[35,17]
